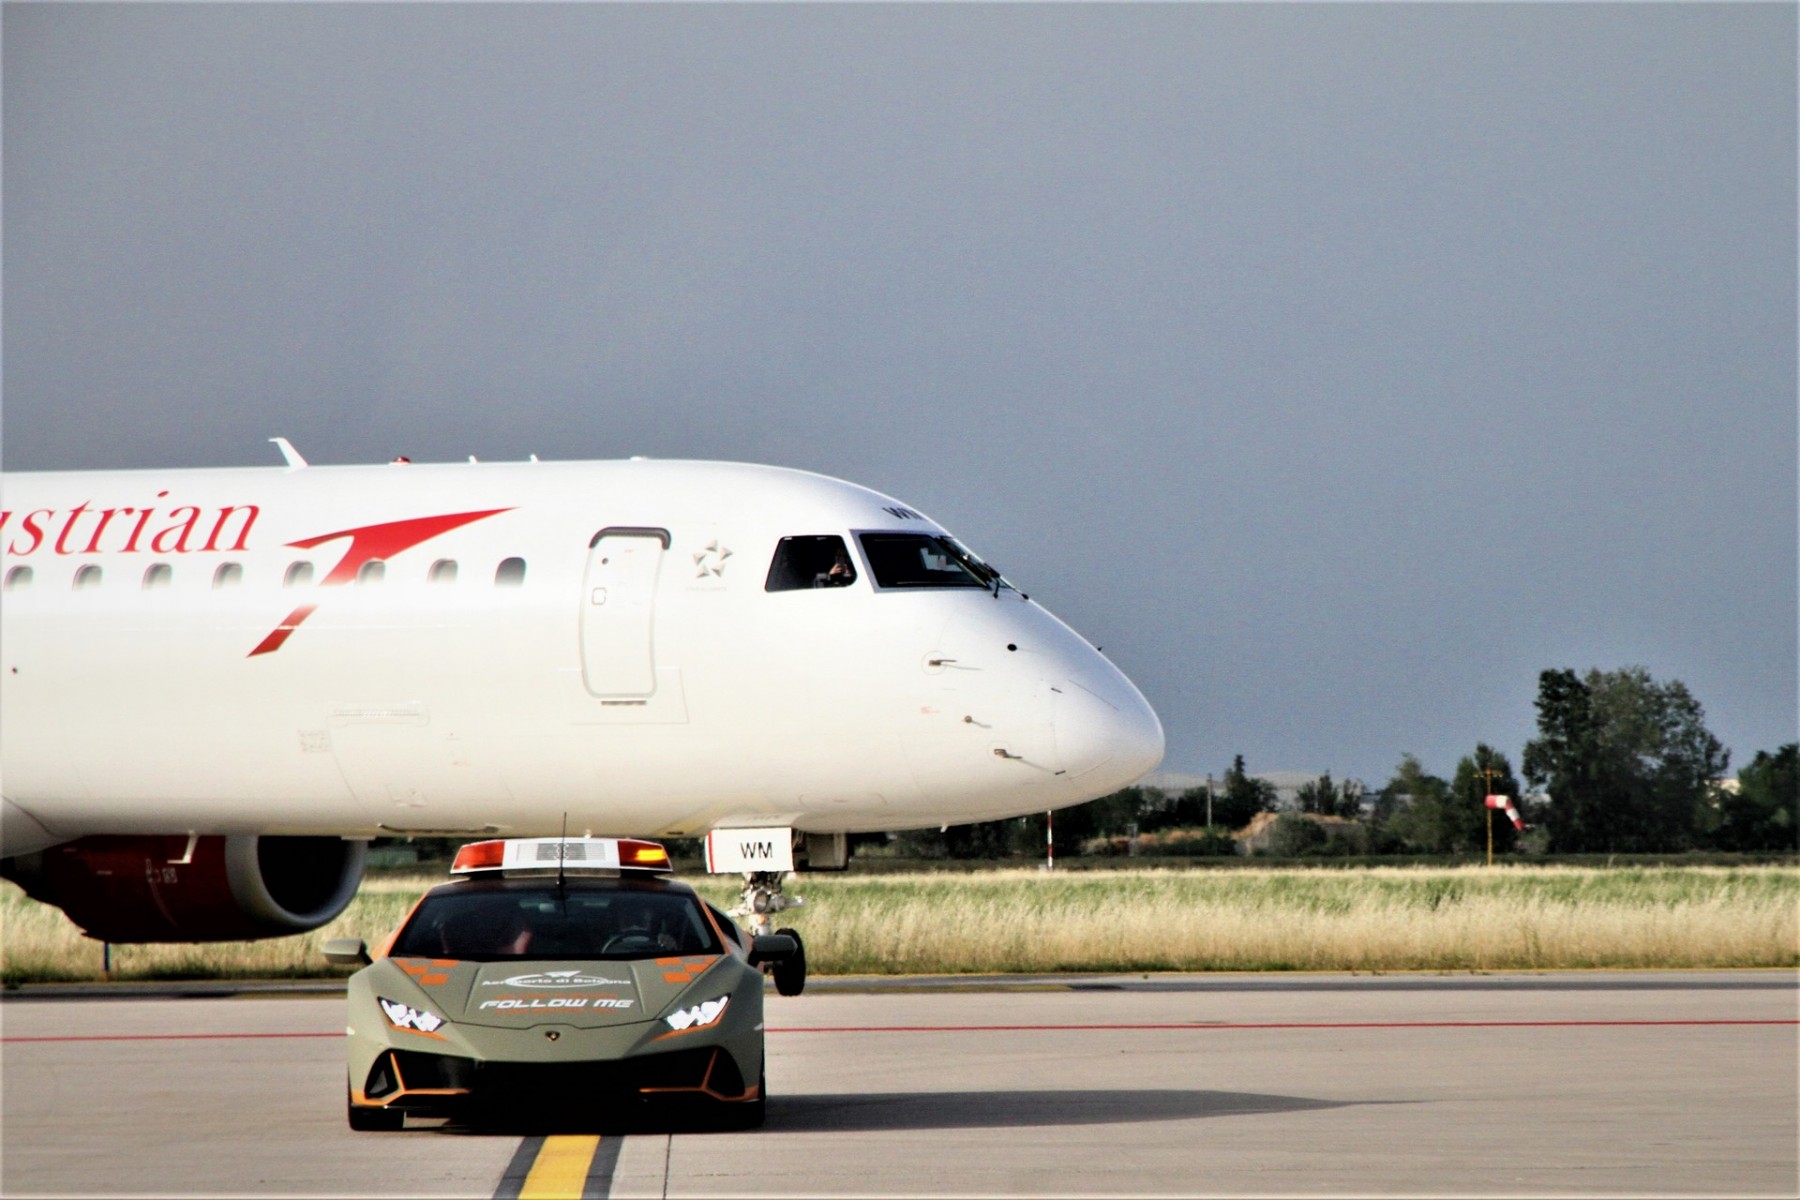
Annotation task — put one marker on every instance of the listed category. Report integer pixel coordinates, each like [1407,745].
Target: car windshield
[488,924]
[923,560]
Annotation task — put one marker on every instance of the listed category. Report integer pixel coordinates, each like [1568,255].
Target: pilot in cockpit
[840,575]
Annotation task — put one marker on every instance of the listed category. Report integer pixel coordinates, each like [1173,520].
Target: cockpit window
[484,925]
[813,561]
[923,560]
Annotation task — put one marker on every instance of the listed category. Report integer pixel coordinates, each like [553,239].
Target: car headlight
[405,1016]
[697,1016]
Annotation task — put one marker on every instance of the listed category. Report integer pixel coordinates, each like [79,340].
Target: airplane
[216,685]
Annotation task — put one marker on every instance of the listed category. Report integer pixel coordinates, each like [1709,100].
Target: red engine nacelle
[174,888]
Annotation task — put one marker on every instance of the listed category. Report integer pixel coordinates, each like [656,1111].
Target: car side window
[726,925]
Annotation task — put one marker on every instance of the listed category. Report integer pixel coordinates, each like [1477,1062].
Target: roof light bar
[644,855]
[478,856]
[573,855]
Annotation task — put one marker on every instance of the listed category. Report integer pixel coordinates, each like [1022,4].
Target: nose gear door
[618,608]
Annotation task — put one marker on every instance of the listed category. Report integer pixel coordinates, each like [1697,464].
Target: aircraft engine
[175,888]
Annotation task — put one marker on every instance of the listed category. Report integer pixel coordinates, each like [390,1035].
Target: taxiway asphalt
[1567,1084]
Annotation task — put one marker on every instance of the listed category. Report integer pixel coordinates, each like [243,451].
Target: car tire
[372,1120]
[790,974]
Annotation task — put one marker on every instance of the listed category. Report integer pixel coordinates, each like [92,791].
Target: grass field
[1022,920]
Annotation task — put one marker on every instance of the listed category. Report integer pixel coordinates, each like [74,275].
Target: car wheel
[790,974]
[372,1120]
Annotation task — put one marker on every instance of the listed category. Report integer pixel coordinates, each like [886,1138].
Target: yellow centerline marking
[561,1169]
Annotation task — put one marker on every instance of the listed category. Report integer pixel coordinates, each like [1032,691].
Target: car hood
[585,994]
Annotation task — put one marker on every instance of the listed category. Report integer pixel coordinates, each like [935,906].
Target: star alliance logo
[710,562]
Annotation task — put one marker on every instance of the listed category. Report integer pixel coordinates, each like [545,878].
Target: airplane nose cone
[1119,733]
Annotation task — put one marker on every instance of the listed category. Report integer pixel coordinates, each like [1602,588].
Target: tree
[1564,757]
[1191,809]
[1108,816]
[1160,810]
[1415,809]
[1478,776]
[1243,797]
[1319,796]
[1293,835]
[1764,812]
[1331,799]
[1117,813]
[985,839]
[1628,761]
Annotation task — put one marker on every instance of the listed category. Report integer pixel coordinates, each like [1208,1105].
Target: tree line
[1624,762]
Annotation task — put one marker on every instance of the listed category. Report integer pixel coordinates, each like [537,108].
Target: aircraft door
[618,607]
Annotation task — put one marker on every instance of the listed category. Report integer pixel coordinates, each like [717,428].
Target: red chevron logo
[368,543]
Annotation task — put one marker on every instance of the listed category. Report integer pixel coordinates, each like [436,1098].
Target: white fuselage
[467,647]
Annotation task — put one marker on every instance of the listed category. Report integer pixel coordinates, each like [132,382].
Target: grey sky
[1336,368]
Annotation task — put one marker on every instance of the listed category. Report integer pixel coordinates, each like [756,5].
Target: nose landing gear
[761,899]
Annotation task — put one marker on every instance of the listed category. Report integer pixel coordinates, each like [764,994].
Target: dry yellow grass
[38,943]
[1383,919]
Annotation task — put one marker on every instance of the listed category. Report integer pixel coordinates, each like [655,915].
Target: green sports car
[559,975]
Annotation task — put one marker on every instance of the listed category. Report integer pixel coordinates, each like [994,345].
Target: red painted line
[165,1037]
[1091,1028]
[1236,1025]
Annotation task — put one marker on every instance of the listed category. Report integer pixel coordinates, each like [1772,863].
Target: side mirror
[347,952]
[772,948]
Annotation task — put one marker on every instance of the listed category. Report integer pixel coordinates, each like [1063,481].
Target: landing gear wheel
[790,975]
[372,1120]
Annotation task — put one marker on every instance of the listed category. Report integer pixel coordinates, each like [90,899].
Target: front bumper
[417,1081]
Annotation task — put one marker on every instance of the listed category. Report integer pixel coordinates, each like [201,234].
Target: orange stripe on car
[686,969]
[420,969]
[705,1087]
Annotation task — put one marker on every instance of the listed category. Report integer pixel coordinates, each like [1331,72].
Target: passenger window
[373,571]
[510,573]
[443,571]
[87,577]
[814,561]
[228,575]
[298,575]
[18,577]
[158,575]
